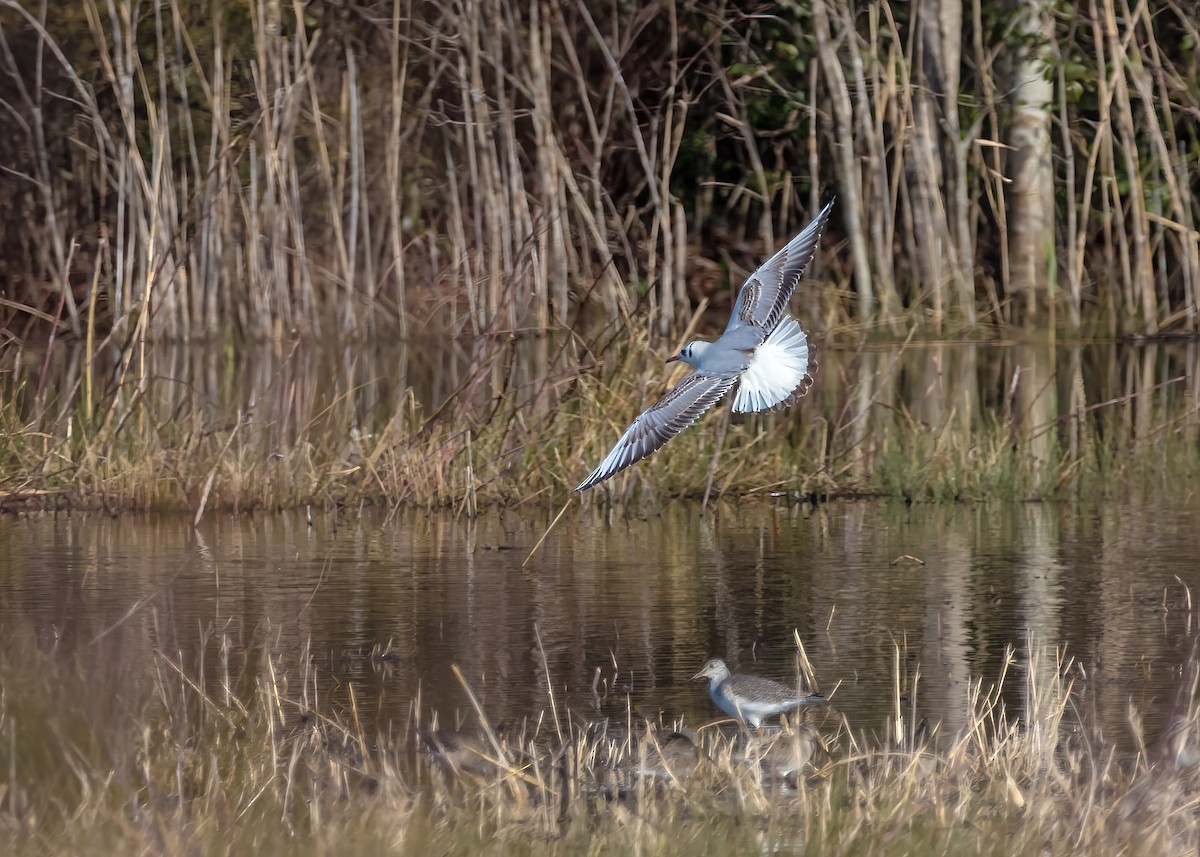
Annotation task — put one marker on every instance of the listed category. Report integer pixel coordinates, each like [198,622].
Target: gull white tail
[778,371]
[762,352]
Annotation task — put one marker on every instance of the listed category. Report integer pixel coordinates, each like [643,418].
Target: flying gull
[762,351]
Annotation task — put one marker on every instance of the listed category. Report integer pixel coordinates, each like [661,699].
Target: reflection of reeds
[207,757]
[308,424]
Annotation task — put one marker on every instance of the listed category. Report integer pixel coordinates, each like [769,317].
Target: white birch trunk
[1031,193]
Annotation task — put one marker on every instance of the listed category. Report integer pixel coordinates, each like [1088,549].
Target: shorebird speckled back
[749,697]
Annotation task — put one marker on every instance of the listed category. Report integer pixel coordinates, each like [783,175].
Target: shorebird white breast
[751,698]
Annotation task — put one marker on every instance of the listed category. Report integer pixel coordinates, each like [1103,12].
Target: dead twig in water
[548,529]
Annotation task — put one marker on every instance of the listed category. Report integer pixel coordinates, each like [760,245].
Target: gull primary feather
[762,351]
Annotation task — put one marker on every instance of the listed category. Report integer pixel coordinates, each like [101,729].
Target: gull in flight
[762,351]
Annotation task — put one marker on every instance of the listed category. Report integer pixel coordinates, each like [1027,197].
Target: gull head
[690,354]
[715,670]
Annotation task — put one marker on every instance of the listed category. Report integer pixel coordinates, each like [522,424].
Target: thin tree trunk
[870,115]
[934,176]
[851,193]
[1031,194]
[958,206]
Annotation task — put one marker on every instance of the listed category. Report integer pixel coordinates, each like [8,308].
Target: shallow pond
[626,610]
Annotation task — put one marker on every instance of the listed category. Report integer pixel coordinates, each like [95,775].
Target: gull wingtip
[824,213]
[590,482]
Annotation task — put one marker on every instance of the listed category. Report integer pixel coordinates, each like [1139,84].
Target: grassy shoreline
[1024,423]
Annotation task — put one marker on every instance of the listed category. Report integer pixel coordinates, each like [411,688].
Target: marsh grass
[116,748]
[522,423]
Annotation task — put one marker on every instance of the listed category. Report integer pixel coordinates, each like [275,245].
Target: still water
[627,610]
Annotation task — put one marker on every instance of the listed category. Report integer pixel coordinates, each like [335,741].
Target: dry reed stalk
[1166,146]
[871,117]
[399,53]
[992,181]
[1111,206]
[1141,280]
[849,180]
[1074,251]
[925,173]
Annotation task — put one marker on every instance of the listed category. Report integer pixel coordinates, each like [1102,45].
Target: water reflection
[627,610]
[1049,393]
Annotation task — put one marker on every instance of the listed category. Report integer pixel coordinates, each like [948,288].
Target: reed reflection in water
[625,611]
[1066,403]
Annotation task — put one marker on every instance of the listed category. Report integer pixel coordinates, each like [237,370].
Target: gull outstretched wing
[765,295]
[681,406]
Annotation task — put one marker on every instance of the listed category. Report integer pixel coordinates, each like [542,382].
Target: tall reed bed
[223,750]
[484,166]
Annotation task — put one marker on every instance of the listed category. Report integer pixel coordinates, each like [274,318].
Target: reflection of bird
[782,756]
[663,758]
[750,697]
[671,758]
[460,753]
[763,351]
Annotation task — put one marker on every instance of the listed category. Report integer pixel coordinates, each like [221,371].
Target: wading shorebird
[762,351]
[749,697]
